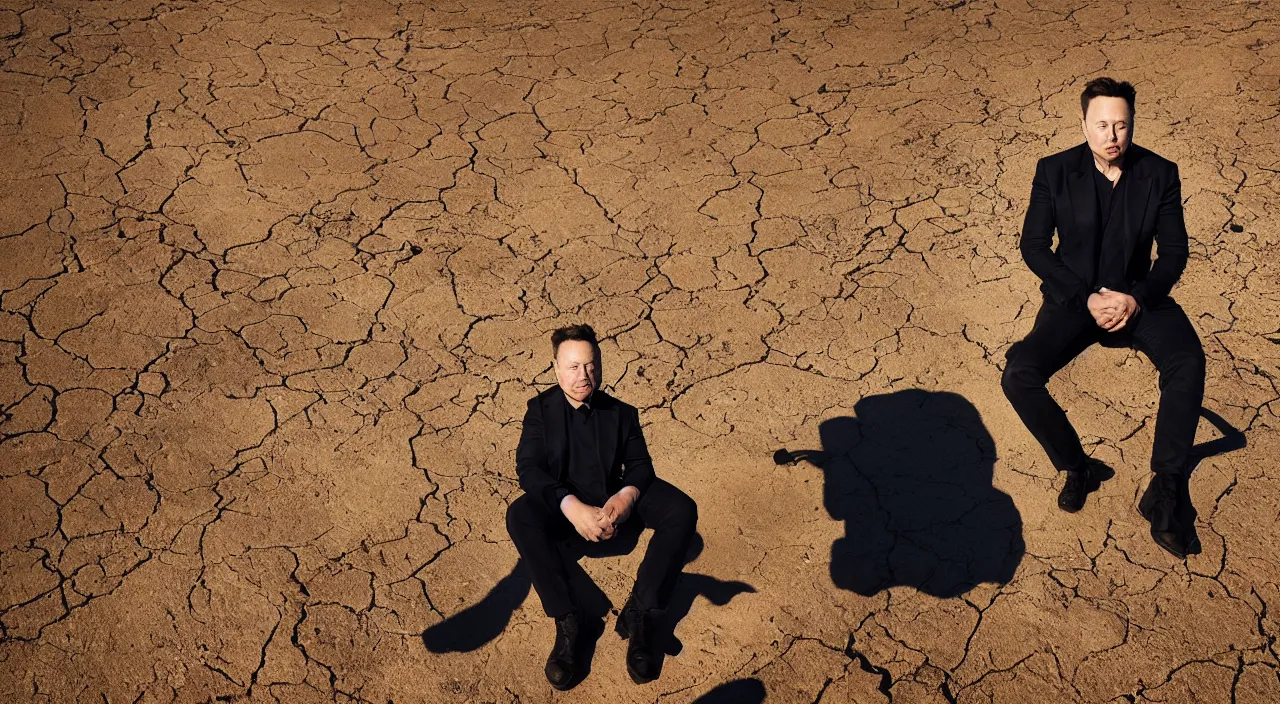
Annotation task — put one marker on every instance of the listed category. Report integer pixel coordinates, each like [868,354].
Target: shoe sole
[1166,548]
[573,682]
[638,679]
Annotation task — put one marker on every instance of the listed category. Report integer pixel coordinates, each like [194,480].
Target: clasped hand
[1111,310]
[600,523]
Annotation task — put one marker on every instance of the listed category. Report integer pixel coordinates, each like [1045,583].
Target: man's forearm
[568,502]
[1036,245]
[1065,288]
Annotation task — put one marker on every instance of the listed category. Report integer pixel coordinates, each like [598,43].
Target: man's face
[1108,127]
[577,369]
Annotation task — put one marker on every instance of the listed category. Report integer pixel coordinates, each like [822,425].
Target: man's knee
[668,508]
[1018,379]
[684,512]
[521,514]
[1188,363]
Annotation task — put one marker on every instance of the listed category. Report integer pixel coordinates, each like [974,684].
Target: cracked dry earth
[276,279]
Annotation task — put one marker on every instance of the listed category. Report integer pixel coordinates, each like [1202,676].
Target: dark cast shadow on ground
[910,474]
[691,586]
[744,691]
[482,622]
[1230,441]
[485,620]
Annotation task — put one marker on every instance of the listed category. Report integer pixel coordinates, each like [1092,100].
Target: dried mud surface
[276,280]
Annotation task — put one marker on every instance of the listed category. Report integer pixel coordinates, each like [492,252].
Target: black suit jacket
[542,457]
[1063,199]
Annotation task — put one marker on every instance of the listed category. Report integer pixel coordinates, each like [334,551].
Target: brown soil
[276,279]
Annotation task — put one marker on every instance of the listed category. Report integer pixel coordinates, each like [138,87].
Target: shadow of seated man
[476,625]
[587,476]
[1230,440]
[472,627]
[485,620]
[743,691]
[691,586]
[911,476]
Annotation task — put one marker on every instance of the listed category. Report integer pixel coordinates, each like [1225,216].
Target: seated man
[585,471]
[1108,199]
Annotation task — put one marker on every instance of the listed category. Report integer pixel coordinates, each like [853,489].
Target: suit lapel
[607,429]
[1084,202]
[1139,189]
[557,436]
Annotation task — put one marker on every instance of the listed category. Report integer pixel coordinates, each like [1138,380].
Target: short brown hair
[582,333]
[1105,87]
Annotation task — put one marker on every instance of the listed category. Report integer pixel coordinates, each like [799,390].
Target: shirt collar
[586,406]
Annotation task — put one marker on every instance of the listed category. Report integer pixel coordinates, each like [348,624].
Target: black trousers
[548,543]
[1163,333]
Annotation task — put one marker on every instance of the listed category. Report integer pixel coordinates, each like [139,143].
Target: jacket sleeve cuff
[555,494]
[1079,301]
[641,483]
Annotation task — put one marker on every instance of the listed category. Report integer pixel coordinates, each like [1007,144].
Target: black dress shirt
[1104,188]
[586,473]
[1109,271]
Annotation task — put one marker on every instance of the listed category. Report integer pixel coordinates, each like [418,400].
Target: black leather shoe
[1159,505]
[636,626]
[1071,498]
[562,664]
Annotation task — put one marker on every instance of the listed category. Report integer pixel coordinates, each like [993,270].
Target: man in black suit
[586,472]
[1108,200]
